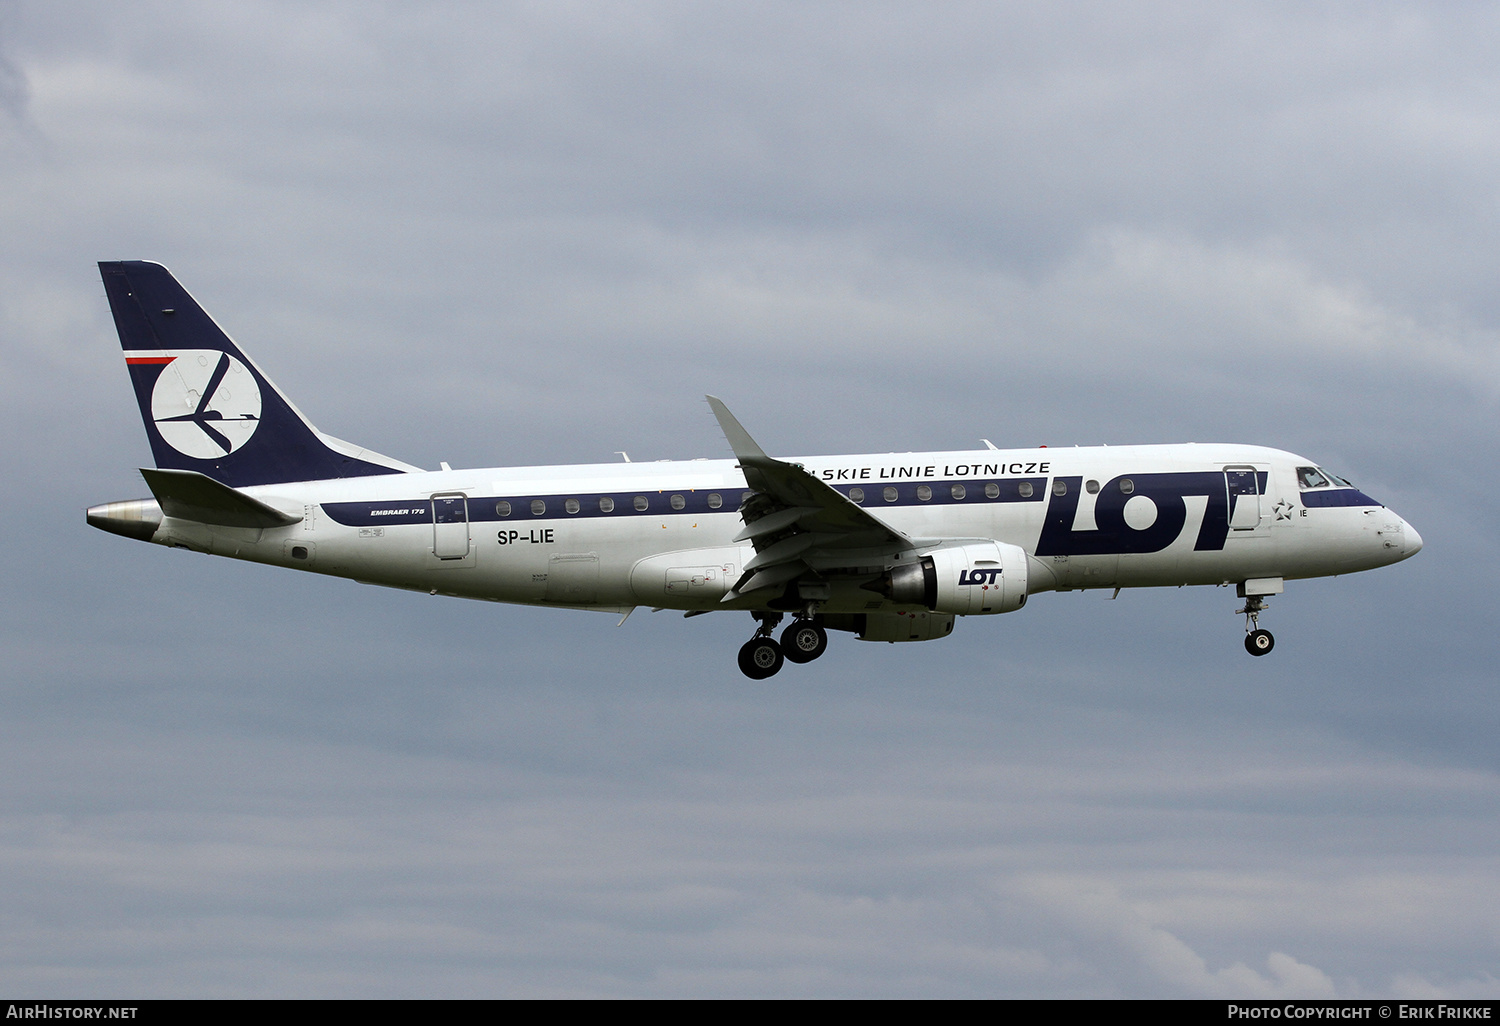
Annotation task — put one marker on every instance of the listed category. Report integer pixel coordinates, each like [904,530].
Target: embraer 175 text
[888,547]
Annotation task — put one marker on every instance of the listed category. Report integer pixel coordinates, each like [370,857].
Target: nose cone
[1413,541]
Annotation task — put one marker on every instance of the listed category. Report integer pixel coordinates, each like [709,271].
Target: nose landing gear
[1257,641]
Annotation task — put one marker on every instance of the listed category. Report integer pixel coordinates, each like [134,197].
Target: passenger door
[1245,488]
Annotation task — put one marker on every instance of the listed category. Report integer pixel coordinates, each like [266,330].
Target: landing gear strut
[1257,641]
[761,657]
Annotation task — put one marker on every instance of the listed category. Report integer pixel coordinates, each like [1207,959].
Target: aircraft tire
[1259,642]
[760,658]
[803,641]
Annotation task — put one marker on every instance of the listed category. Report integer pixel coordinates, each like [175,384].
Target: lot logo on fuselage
[1147,517]
[206,404]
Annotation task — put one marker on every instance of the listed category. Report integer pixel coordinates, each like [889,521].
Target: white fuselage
[1099,517]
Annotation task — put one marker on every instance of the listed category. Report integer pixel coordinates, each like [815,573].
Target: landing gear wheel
[803,641]
[1259,642]
[760,658]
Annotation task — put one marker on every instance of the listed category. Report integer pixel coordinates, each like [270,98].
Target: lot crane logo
[206,404]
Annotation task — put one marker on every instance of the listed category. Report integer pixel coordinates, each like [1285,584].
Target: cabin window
[606,505]
[924,492]
[1092,487]
[1309,477]
[1059,487]
[992,491]
[641,503]
[572,506]
[958,491]
[1126,485]
[538,507]
[890,494]
[1025,490]
[856,495]
[715,500]
[502,508]
[678,502]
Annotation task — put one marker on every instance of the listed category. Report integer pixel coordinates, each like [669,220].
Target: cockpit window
[1317,477]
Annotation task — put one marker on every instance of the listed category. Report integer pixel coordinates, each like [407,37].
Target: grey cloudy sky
[534,233]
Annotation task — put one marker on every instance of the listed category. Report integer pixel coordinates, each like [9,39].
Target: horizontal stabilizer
[189,495]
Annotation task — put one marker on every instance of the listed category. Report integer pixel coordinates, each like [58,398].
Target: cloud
[12,89]
[13,86]
[1097,909]
[1476,988]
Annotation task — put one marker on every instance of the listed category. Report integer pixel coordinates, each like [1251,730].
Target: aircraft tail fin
[207,407]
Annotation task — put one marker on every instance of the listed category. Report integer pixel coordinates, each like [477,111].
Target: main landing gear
[1257,641]
[802,642]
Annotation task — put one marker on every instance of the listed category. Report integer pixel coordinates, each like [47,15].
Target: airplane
[890,547]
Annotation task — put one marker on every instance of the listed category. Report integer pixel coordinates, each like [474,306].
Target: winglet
[745,447]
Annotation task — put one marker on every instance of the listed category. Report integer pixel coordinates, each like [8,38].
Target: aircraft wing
[796,522]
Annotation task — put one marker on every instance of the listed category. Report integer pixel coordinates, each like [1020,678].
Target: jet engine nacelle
[967,580]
